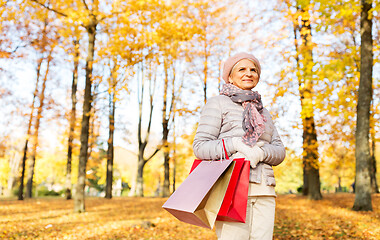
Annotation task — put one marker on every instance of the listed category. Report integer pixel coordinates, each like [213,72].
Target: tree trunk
[373,172]
[140,177]
[139,188]
[174,170]
[79,204]
[339,184]
[373,167]
[205,75]
[362,151]
[174,157]
[310,160]
[25,152]
[29,184]
[110,155]
[310,144]
[93,129]
[23,163]
[74,86]
[166,186]
[305,187]
[165,134]
[296,31]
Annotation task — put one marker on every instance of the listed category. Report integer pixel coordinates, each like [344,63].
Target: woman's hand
[254,154]
[238,155]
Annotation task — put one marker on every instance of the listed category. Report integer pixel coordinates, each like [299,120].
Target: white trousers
[259,222]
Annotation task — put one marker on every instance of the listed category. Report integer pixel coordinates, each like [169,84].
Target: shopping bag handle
[225,151]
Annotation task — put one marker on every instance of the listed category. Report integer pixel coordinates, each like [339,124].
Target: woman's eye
[241,69]
[254,70]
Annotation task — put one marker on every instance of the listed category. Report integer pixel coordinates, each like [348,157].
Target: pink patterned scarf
[253,121]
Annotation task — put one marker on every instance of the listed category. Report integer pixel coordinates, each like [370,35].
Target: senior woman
[237,115]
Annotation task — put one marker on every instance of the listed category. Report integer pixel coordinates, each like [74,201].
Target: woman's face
[244,75]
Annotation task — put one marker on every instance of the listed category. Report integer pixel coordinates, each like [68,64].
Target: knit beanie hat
[231,61]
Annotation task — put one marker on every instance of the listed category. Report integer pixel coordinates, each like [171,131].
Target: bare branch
[151,105]
[49,8]
[154,153]
[21,46]
[140,96]
[55,11]
[85,5]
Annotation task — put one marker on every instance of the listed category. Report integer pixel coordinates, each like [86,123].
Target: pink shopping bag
[234,206]
[198,199]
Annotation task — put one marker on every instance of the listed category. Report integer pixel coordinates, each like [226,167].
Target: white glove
[254,154]
[238,155]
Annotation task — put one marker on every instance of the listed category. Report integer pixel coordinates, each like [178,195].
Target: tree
[129,48]
[25,149]
[118,62]
[89,16]
[143,142]
[362,151]
[111,129]
[79,204]
[70,145]
[305,64]
[207,46]
[167,116]
[32,162]
[116,83]
[373,164]
[41,47]
[173,31]
[43,44]
[373,167]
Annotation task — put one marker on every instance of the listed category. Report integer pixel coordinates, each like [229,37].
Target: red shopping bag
[198,199]
[234,206]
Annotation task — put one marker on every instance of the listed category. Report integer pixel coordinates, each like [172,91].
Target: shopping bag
[198,161]
[198,199]
[234,206]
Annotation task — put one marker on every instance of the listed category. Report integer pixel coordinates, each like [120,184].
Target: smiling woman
[238,117]
[244,75]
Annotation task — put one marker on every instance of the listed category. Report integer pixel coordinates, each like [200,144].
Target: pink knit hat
[231,61]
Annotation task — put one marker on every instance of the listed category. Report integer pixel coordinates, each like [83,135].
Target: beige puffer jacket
[221,118]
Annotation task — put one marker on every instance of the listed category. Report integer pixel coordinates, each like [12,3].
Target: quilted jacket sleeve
[206,144]
[274,151]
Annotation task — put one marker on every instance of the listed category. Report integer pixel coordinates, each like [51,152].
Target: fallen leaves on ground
[330,218]
[143,218]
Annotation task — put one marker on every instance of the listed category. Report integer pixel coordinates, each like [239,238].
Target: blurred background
[114,88]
